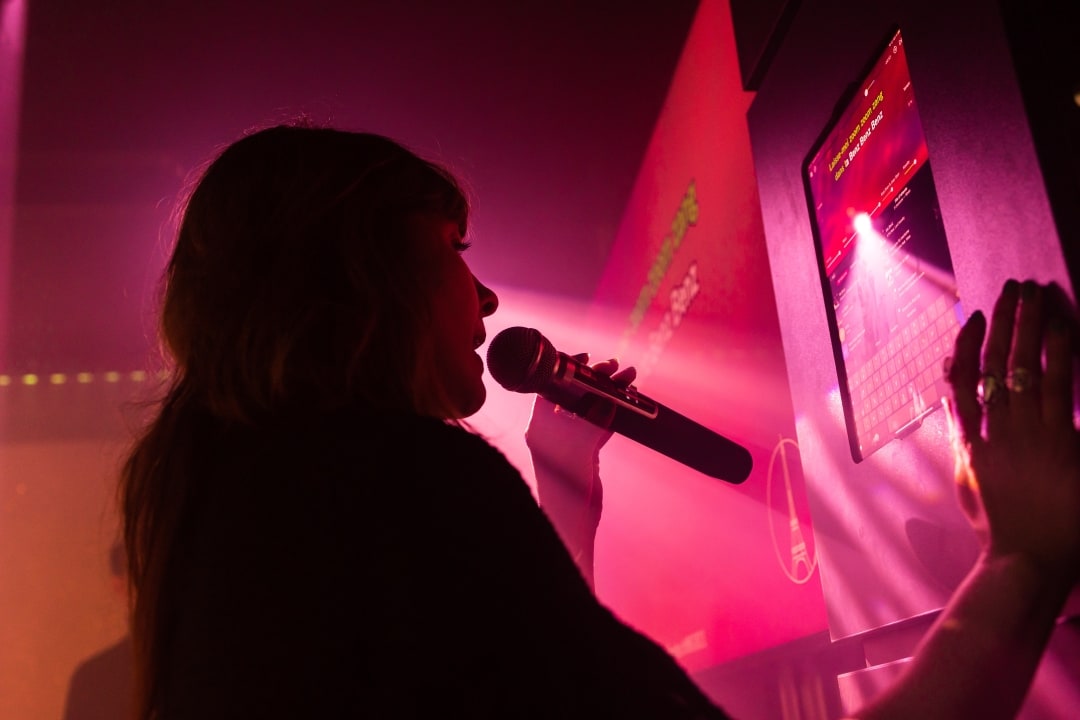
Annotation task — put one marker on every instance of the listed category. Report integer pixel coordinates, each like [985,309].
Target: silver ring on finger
[992,389]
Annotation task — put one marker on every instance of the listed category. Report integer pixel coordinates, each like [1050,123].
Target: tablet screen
[887,277]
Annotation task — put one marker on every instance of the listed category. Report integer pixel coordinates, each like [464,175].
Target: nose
[489,301]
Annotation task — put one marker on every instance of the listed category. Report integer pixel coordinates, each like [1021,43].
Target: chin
[466,402]
[473,405]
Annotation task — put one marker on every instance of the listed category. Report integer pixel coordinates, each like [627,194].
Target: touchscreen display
[887,277]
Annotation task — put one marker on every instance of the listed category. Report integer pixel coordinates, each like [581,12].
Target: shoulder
[419,459]
[413,441]
[360,432]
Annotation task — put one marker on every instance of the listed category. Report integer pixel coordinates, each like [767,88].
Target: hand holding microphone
[523,360]
[565,448]
[551,419]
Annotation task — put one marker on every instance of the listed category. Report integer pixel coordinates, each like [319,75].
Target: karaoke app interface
[884,252]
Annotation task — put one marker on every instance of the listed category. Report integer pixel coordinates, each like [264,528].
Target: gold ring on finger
[1020,379]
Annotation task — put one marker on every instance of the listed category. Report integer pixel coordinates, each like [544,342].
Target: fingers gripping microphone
[522,360]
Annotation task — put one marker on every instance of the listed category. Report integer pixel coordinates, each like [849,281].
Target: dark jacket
[390,567]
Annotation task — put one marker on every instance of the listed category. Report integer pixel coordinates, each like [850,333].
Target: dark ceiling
[544,108]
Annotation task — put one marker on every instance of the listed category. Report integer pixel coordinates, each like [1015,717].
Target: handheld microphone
[522,360]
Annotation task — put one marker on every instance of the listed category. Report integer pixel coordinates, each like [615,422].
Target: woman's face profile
[459,304]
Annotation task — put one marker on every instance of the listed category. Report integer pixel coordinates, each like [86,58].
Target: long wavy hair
[295,286]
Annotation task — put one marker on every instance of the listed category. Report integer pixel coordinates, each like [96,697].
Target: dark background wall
[543,108]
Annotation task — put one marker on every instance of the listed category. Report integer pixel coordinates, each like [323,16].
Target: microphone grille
[521,359]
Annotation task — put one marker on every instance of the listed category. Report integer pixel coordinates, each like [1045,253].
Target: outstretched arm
[1018,474]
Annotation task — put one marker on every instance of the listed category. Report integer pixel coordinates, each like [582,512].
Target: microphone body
[522,360]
